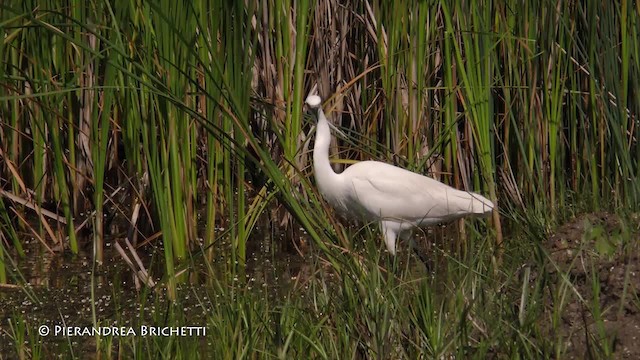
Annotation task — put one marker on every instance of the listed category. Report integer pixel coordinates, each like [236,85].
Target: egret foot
[423,259]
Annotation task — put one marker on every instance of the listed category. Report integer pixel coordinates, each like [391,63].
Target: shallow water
[57,291]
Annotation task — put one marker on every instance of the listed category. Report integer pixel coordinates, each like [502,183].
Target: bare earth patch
[594,260]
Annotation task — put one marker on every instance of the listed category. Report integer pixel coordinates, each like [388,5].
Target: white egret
[399,199]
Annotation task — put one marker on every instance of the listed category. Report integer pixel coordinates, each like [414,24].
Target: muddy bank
[599,254]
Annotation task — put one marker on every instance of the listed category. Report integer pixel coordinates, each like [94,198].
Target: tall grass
[470,310]
[173,67]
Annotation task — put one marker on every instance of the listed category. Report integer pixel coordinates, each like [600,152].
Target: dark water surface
[62,293]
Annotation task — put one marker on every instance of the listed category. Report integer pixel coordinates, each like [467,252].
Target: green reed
[531,104]
[541,88]
[476,73]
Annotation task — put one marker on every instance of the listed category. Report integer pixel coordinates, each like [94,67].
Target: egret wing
[387,191]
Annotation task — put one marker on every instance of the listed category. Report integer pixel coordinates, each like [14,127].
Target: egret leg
[406,235]
[390,234]
[423,259]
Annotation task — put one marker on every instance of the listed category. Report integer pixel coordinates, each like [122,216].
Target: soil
[591,249]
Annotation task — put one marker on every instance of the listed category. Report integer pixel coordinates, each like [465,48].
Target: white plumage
[399,199]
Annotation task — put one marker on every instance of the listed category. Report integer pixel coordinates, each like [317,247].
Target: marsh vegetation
[155,170]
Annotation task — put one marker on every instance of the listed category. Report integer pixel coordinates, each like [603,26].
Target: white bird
[399,199]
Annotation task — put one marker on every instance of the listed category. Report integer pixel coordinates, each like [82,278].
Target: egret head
[313,101]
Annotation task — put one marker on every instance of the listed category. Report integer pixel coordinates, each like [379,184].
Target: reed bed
[184,119]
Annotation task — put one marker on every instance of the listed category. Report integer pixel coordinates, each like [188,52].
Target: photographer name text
[121,331]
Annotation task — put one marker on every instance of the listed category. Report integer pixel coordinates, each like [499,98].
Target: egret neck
[326,179]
